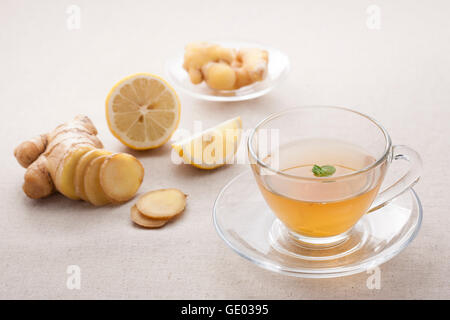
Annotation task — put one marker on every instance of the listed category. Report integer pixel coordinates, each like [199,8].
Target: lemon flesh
[142,111]
[213,147]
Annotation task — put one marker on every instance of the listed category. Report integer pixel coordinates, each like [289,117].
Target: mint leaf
[323,171]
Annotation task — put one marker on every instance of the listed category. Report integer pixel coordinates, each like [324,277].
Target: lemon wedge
[211,148]
[142,111]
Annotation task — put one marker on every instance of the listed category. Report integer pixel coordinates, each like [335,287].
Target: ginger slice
[121,176]
[92,187]
[80,170]
[64,180]
[145,221]
[162,204]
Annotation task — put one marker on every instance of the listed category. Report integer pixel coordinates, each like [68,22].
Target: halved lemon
[142,111]
[211,148]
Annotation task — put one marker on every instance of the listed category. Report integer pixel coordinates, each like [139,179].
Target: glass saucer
[278,68]
[248,226]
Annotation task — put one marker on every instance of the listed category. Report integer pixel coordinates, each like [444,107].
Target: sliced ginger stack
[155,208]
[70,160]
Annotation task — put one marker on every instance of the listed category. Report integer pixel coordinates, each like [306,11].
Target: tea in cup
[325,169]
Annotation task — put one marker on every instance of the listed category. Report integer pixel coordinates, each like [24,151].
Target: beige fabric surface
[398,74]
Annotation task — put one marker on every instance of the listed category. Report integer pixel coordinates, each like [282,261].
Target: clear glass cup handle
[400,153]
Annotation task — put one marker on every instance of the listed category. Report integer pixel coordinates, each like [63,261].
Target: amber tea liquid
[316,208]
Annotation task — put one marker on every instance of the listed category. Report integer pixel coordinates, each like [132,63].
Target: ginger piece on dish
[219,76]
[223,68]
[199,54]
[250,66]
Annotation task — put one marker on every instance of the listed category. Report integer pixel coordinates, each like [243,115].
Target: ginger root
[219,76]
[199,54]
[224,68]
[250,66]
[42,155]
[69,160]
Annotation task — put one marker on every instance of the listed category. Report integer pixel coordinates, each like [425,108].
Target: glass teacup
[290,153]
